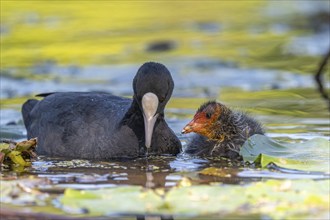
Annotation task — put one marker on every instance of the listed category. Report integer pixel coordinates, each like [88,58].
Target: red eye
[161,99]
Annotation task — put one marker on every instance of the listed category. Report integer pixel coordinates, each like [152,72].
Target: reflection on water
[160,171]
[250,57]
[284,101]
[287,115]
[153,172]
[201,77]
[278,175]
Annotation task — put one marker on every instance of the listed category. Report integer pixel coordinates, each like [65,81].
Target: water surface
[259,58]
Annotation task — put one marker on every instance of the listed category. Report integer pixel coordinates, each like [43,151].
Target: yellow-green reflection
[104,32]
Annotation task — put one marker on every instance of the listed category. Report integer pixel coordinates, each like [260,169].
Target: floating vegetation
[275,199]
[210,46]
[17,154]
[312,155]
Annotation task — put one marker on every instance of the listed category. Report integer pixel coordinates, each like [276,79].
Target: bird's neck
[225,127]
[134,119]
[133,116]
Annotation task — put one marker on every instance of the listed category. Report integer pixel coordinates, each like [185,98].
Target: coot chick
[220,130]
[96,125]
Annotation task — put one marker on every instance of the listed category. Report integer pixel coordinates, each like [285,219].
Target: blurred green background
[260,55]
[250,33]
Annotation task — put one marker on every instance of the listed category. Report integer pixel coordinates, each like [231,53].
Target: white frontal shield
[149,105]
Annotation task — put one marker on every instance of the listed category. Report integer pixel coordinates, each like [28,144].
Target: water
[194,77]
[285,102]
[253,62]
[233,85]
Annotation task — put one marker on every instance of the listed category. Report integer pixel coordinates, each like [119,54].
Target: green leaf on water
[22,192]
[285,199]
[204,200]
[274,198]
[312,155]
[128,199]
[213,171]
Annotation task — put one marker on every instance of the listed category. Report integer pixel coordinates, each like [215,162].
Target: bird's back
[80,125]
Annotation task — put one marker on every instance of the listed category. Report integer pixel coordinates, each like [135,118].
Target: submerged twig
[318,78]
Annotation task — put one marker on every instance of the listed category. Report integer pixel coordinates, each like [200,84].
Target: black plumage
[96,125]
[220,131]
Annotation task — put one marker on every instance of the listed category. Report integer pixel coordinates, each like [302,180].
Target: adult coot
[96,125]
[220,131]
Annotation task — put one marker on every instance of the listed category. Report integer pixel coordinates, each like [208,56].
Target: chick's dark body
[225,134]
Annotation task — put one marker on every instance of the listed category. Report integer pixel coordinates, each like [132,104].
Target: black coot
[96,125]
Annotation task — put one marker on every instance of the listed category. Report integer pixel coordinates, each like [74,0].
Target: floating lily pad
[273,198]
[289,198]
[22,192]
[312,155]
[204,200]
[126,200]
[212,171]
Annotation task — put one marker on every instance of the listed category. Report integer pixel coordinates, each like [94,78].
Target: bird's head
[205,120]
[153,86]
